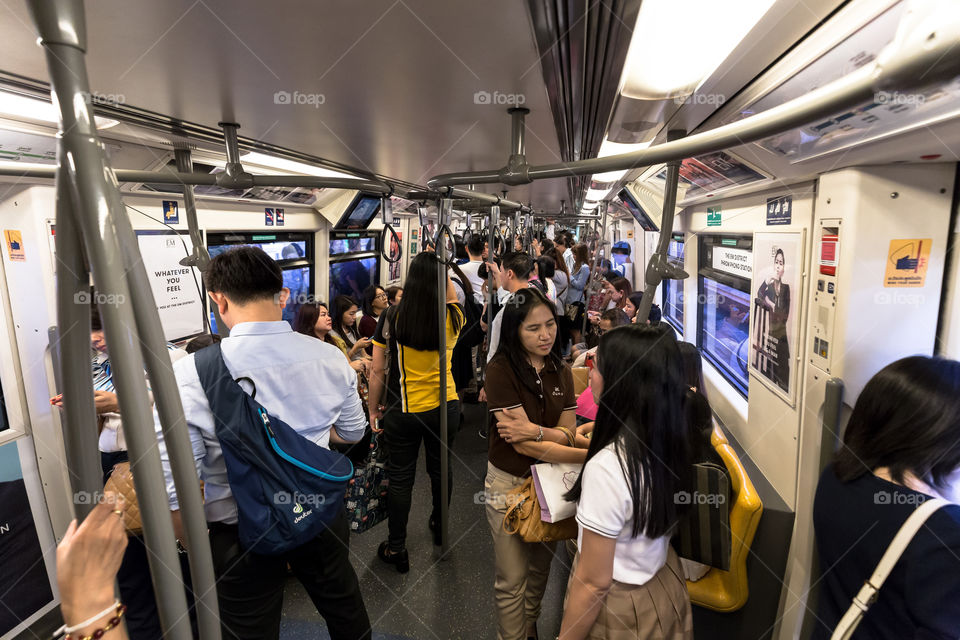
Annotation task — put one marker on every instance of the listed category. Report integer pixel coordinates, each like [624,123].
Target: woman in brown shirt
[529,394]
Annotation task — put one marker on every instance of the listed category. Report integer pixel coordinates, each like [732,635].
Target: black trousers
[136,587]
[403,433]
[250,585]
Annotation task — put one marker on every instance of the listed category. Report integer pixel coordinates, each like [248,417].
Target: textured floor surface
[438,599]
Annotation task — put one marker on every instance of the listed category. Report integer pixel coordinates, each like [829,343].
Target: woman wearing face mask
[530,394]
[774,295]
[627,582]
[901,447]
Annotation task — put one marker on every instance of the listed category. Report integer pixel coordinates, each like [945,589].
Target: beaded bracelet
[111,624]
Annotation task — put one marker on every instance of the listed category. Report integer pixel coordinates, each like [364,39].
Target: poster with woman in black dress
[777,257]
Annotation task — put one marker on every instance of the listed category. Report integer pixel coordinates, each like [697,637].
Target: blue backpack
[287,488]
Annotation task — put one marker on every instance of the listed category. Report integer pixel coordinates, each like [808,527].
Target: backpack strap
[868,593]
[215,378]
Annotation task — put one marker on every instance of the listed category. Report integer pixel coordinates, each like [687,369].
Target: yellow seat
[581,380]
[717,436]
[727,591]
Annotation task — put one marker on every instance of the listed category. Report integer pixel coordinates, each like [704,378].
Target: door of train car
[27,497]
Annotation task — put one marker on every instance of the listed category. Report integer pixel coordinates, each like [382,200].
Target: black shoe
[399,559]
[437,532]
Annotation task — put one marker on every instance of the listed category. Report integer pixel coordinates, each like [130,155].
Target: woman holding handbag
[532,419]
[627,581]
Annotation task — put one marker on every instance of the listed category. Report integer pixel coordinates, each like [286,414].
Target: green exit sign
[713,216]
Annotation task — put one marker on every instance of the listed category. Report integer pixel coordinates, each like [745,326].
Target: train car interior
[710,151]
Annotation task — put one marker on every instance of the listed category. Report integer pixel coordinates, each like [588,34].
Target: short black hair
[392,293]
[907,418]
[244,274]
[201,341]
[475,244]
[519,262]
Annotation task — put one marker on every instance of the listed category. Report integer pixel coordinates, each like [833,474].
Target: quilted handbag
[366,498]
[121,482]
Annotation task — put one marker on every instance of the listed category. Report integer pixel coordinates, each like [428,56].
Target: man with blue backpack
[262,407]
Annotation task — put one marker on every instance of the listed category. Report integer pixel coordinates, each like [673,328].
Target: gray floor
[437,599]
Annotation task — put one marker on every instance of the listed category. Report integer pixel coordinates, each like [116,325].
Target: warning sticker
[907,263]
[15,245]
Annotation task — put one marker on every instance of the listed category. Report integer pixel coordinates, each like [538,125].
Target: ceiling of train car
[403,89]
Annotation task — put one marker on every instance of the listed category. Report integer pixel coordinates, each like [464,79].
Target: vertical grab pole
[658,266]
[593,269]
[443,219]
[200,256]
[73,318]
[98,208]
[491,248]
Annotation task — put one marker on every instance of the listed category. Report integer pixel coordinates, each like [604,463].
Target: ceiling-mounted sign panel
[713,172]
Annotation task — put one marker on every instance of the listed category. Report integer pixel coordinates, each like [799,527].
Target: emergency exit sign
[713,216]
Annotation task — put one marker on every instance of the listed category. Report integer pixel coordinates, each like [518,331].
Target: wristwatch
[539,437]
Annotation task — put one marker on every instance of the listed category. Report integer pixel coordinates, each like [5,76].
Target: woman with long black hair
[530,395]
[639,462]
[407,340]
[345,326]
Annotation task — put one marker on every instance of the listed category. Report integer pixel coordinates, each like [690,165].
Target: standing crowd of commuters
[633,437]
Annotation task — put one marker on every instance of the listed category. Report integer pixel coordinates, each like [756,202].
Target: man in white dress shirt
[307,384]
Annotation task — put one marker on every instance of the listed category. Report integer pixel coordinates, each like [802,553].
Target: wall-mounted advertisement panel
[778,269]
[176,288]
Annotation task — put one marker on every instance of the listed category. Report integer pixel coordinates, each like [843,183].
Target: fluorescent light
[291,166]
[596,194]
[15,106]
[589,206]
[658,66]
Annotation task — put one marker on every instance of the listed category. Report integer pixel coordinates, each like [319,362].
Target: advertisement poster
[23,574]
[396,242]
[777,269]
[175,287]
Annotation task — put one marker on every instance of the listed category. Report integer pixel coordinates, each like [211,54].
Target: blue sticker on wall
[279,217]
[779,210]
[268,217]
[171,212]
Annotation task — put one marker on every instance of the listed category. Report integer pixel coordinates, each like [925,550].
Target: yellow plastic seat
[717,436]
[727,591]
[581,379]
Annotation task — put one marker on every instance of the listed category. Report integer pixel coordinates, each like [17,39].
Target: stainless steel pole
[657,264]
[73,319]
[590,288]
[443,219]
[96,200]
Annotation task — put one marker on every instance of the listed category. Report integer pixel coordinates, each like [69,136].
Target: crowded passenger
[531,401]
[406,398]
[267,356]
[133,578]
[513,276]
[477,251]
[314,319]
[627,581]
[345,327]
[901,447]
[579,278]
[374,303]
[394,294]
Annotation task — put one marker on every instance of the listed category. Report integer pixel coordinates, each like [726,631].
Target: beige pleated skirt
[659,609]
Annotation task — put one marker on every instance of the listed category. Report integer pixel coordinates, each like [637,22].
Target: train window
[672,302]
[343,245]
[724,305]
[292,251]
[351,276]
